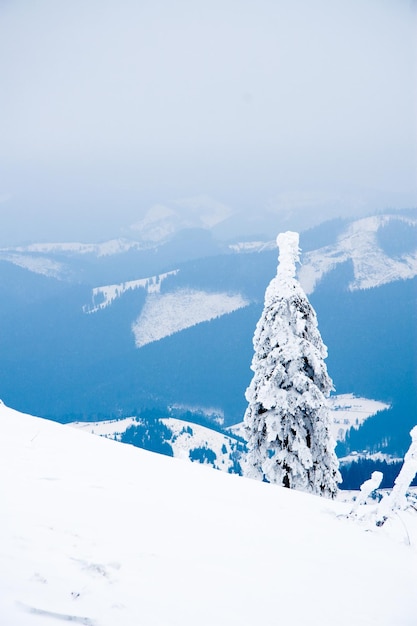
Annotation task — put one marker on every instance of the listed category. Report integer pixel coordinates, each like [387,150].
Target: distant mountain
[161,222]
[382,249]
[201,438]
[184,439]
[118,329]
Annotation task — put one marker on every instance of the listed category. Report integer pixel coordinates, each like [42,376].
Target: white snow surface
[371,266]
[107,248]
[252,246]
[347,411]
[186,436]
[35,264]
[289,255]
[166,314]
[397,499]
[200,437]
[98,533]
[102,297]
[106,428]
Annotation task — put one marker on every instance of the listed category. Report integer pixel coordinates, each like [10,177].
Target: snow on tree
[366,489]
[287,418]
[397,499]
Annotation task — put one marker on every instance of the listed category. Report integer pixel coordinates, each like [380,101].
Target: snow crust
[166,314]
[98,533]
[371,266]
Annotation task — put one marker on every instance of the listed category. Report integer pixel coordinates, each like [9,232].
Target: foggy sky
[109,107]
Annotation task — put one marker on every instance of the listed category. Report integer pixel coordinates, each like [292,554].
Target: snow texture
[166,314]
[113,429]
[102,297]
[185,437]
[36,264]
[366,489]
[371,266]
[347,411]
[397,498]
[252,246]
[287,420]
[107,248]
[99,533]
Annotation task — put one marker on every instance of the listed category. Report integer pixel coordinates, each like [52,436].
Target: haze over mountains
[110,111]
[150,153]
[129,327]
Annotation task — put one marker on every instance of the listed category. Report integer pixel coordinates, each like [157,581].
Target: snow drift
[99,533]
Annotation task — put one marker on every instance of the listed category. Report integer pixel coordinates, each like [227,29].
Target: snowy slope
[97,533]
[252,246]
[165,314]
[168,313]
[36,264]
[56,259]
[102,297]
[346,412]
[162,222]
[186,438]
[112,429]
[358,243]
[107,248]
[371,266]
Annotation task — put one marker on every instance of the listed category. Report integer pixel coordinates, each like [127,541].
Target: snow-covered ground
[36,264]
[106,428]
[107,248]
[347,411]
[35,257]
[166,314]
[97,533]
[102,297]
[185,438]
[371,266]
[253,246]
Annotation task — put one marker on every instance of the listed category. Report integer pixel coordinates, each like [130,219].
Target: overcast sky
[109,107]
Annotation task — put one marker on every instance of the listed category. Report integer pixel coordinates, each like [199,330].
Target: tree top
[289,254]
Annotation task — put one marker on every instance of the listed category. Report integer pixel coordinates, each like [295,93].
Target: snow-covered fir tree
[287,419]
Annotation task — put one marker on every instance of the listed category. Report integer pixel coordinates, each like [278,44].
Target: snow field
[166,314]
[371,266]
[99,533]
